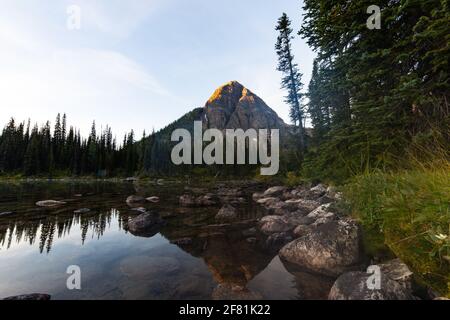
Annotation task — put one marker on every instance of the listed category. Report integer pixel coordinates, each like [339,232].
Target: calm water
[37,245]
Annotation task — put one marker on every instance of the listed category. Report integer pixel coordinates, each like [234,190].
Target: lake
[192,256]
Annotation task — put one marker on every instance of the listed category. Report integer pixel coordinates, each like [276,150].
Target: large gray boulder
[361,286]
[329,249]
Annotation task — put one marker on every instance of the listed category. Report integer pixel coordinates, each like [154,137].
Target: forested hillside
[376,96]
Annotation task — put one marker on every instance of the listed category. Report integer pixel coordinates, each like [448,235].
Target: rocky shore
[305,228]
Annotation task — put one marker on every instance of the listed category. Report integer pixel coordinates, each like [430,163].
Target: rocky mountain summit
[234,106]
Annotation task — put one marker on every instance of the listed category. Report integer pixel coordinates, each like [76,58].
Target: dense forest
[62,151]
[376,96]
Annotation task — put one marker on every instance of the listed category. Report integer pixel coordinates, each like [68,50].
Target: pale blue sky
[138,64]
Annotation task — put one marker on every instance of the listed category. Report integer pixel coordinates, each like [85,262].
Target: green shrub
[410,212]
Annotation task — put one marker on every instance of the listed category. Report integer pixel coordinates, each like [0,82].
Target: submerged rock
[250,232]
[330,249]
[153,199]
[227,213]
[234,292]
[50,203]
[135,199]
[277,240]
[182,241]
[206,200]
[32,296]
[358,286]
[187,200]
[145,225]
[81,211]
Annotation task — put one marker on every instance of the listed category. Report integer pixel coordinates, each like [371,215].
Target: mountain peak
[231,88]
[233,106]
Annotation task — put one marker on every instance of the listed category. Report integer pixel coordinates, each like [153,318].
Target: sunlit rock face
[234,106]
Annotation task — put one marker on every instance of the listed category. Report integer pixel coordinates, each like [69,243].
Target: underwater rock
[81,211]
[32,296]
[135,199]
[227,213]
[50,203]
[145,225]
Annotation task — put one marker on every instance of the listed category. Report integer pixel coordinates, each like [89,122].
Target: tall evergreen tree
[291,80]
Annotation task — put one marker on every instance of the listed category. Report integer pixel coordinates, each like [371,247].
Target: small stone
[50,203]
[182,241]
[278,239]
[145,225]
[274,191]
[321,212]
[187,200]
[273,224]
[227,212]
[135,199]
[7,213]
[153,199]
[318,190]
[265,201]
[396,270]
[81,211]
[301,230]
[249,232]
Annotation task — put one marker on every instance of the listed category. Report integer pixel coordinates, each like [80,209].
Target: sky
[137,64]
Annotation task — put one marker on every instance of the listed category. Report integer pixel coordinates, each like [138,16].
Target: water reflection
[190,257]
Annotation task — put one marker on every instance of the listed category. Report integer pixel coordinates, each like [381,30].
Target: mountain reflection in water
[192,256]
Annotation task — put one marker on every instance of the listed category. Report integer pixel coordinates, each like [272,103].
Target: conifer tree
[291,80]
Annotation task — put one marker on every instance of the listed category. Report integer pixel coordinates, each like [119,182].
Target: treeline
[34,151]
[375,94]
